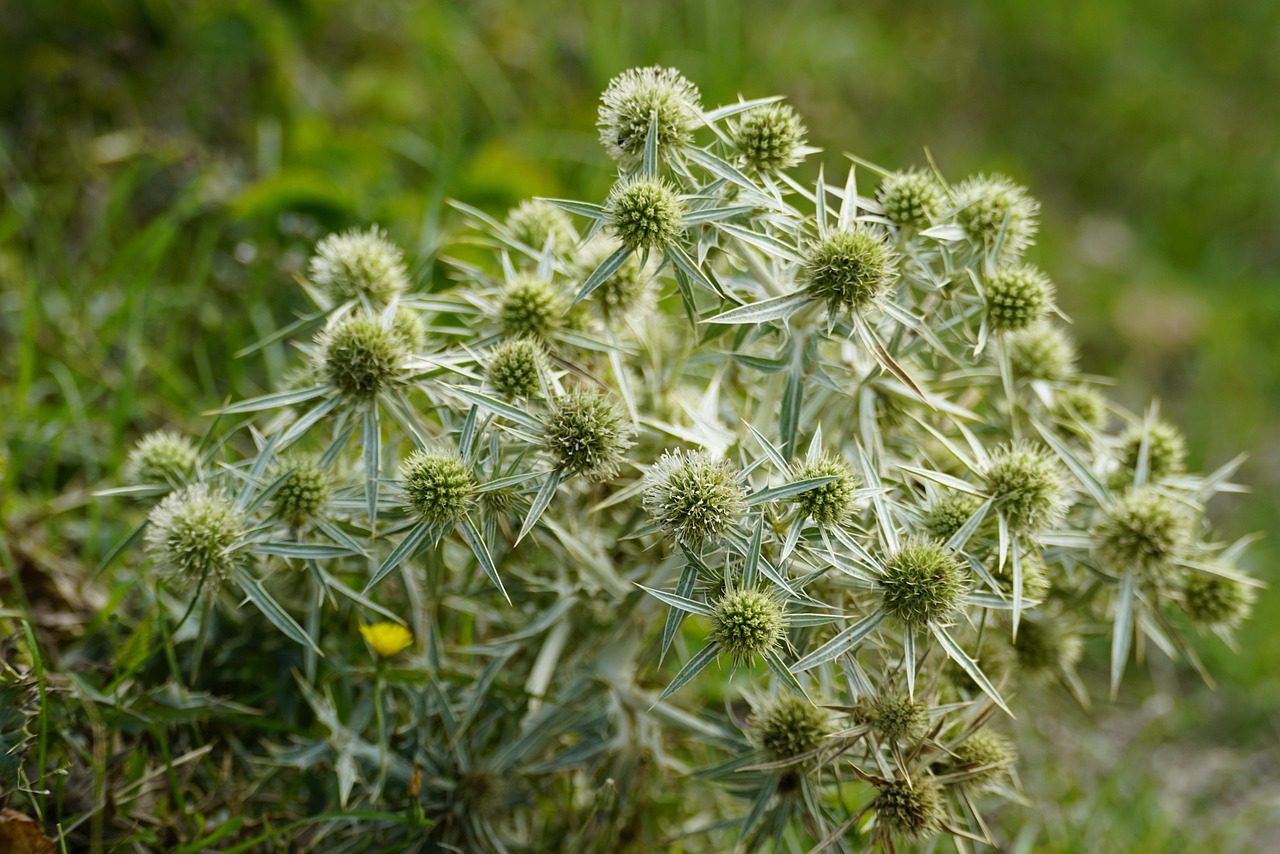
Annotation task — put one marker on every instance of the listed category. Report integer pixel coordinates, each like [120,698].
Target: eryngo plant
[832,435]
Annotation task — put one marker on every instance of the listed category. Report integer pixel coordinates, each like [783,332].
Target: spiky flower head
[1166,450]
[586,434]
[387,639]
[1144,531]
[1046,646]
[746,623]
[770,138]
[850,270]
[694,496]
[893,717]
[947,515]
[624,292]
[515,367]
[438,484]
[995,210]
[191,535]
[1035,576]
[830,503]
[531,307]
[911,199]
[789,726]
[1080,405]
[644,213]
[631,101]
[410,328]
[1041,351]
[360,355]
[1216,602]
[356,264]
[923,582]
[306,488]
[1028,487]
[984,759]
[538,224]
[161,457]
[1017,296]
[909,808]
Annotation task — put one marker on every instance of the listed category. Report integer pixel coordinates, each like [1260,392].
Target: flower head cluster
[586,435]
[634,99]
[850,270]
[693,496]
[192,536]
[359,265]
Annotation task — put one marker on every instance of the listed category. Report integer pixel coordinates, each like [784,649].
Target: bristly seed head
[161,457]
[947,515]
[1081,406]
[1143,531]
[538,224]
[1041,351]
[629,104]
[439,486]
[693,496]
[586,435]
[1045,646]
[360,356]
[515,367]
[358,264]
[789,726]
[531,307]
[1216,602]
[912,199]
[832,502]
[305,490]
[410,328]
[893,717]
[984,758]
[909,808]
[747,623]
[191,536]
[995,209]
[769,138]
[850,270]
[644,213]
[922,583]
[1028,487]
[1166,451]
[1017,296]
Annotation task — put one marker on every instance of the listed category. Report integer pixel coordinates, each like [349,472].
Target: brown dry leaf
[19,834]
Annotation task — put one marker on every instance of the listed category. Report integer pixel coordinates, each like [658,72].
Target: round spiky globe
[539,225]
[1216,602]
[410,328]
[893,717]
[359,264]
[1035,576]
[644,213]
[747,623]
[631,101]
[830,503]
[625,291]
[693,496]
[911,199]
[438,484]
[909,808]
[515,367]
[1041,351]
[191,536]
[1145,530]
[789,726]
[769,138]
[1017,296]
[305,490]
[850,270]
[586,435]
[1080,405]
[161,457]
[1028,487]
[984,758]
[1166,450]
[996,210]
[947,515]
[361,356]
[1045,646]
[531,307]
[922,583]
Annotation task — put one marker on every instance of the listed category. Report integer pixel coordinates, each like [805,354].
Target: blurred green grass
[166,165]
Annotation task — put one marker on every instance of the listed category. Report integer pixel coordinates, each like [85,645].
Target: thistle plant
[829,435]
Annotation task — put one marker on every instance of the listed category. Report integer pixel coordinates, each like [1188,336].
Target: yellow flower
[387,639]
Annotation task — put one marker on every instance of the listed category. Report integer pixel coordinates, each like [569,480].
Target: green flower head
[439,486]
[1145,530]
[1017,296]
[947,515]
[631,101]
[909,808]
[922,583]
[893,717]
[912,199]
[361,356]
[1214,601]
[1045,646]
[644,213]
[306,488]
[832,502]
[515,367]
[996,211]
[1028,487]
[769,138]
[694,496]
[586,435]
[1041,351]
[161,457]
[623,293]
[538,225]
[789,726]
[192,534]
[1081,406]
[531,307]
[747,623]
[850,270]
[1166,450]
[984,759]
[359,264]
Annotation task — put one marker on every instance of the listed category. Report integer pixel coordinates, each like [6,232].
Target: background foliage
[166,166]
